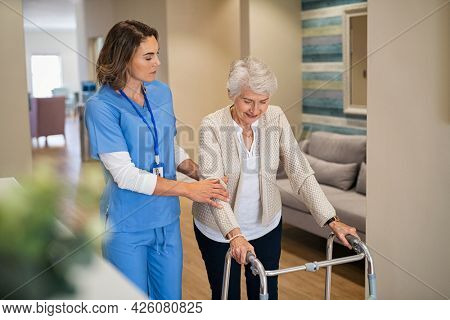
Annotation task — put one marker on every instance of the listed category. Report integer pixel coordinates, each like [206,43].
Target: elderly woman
[246,142]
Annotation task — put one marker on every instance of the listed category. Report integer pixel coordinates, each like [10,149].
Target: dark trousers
[268,251]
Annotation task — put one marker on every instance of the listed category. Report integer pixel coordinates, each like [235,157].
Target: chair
[47,117]
[70,99]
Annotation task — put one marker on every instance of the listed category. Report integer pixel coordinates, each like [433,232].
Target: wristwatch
[335,218]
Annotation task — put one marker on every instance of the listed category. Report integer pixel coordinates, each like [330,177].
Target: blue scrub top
[114,126]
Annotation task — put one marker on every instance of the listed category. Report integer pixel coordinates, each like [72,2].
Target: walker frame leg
[226,275]
[329,256]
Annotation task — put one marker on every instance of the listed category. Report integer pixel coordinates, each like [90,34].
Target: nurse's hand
[207,190]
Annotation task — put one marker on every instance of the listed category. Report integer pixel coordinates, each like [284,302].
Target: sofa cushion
[338,148]
[350,206]
[338,175]
[361,182]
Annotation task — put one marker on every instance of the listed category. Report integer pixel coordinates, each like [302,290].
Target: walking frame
[257,268]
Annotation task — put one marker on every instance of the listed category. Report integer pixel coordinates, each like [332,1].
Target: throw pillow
[338,148]
[361,183]
[338,175]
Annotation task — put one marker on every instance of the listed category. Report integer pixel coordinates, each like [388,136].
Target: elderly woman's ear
[229,94]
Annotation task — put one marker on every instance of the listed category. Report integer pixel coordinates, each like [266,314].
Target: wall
[203,39]
[274,30]
[322,66]
[408,202]
[15,141]
[96,17]
[65,45]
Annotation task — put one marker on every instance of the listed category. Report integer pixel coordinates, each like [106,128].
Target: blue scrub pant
[151,259]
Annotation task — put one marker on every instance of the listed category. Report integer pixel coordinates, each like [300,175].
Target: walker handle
[354,242]
[258,269]
[250,257]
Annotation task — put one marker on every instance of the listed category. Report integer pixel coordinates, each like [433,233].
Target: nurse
[131,127]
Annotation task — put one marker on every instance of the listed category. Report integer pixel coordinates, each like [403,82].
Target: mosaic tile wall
[322,67]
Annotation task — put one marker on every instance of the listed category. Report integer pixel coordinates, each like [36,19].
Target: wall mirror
[354,40]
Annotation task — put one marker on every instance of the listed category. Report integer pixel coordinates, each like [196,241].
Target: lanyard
[147,104]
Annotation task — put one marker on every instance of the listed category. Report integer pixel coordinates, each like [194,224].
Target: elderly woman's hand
[340,229]
[239,246]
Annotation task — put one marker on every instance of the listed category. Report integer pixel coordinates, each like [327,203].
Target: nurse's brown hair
[120,45]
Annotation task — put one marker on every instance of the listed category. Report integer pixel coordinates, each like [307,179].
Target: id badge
[158,169]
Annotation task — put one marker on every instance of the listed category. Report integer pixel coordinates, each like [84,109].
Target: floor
[298,247]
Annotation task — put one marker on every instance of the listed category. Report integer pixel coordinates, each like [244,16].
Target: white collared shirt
[247,208]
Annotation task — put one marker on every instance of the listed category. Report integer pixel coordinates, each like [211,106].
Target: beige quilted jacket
[220,156]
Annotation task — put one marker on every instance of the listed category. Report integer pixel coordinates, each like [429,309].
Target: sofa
[339,163]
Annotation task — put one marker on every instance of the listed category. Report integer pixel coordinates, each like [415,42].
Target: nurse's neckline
[140,105]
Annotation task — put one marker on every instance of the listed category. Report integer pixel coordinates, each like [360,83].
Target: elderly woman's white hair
[253,74]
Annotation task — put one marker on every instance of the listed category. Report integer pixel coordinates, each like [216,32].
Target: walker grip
[354,242]
[250,257]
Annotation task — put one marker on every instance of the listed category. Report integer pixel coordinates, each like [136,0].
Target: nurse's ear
[127,74]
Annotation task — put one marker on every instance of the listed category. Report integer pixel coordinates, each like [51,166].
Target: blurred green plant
[36,250]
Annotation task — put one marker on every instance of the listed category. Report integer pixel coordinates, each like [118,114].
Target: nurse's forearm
[202,191]
[166,187]
[189,168]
